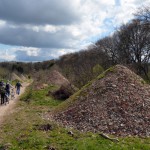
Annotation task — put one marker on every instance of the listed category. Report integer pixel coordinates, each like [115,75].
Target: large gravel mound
[117,102]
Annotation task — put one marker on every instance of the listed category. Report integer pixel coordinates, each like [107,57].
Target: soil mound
[15,77]
[65,90]
[57,78]
[22,77]
[117,102]
[53,77]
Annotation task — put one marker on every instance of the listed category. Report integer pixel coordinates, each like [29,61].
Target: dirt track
[7,109]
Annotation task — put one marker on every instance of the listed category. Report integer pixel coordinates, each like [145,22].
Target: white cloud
[30,51]
[31,54]
[124,12]
[7,56]
[2,23]
[51,28]
[133,3]
[45,28]
[60,52]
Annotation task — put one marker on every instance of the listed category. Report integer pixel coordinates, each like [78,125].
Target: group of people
[7,91]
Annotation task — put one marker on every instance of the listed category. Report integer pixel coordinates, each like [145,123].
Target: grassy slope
[20,130]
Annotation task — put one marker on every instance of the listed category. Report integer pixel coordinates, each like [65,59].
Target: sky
[32,30]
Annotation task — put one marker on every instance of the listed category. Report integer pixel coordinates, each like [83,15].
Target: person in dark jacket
[3,94]
[2,91]
[18,86]
[1,83]
[8,87]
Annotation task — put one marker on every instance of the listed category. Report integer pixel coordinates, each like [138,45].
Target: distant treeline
[6,68]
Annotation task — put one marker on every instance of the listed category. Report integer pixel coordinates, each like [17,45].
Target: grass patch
[20,135]
[102,75]
[39,97]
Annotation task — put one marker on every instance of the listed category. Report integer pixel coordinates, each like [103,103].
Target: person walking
[1,83]
[18,86]
[3,94]
[8,87]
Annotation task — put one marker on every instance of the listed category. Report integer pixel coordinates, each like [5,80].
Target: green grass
[102,75]
[39,97]
[21,129]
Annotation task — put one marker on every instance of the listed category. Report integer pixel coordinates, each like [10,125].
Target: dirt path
[7,109]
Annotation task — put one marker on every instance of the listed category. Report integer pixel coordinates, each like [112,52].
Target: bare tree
[109,46]
[143,13]
[134,46]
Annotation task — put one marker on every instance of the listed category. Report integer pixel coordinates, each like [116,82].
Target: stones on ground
[71,133]
[6,146]
[118,104]
[107,137]
[44,127]
[50,148]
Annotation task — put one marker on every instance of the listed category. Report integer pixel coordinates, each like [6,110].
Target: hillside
[117,102]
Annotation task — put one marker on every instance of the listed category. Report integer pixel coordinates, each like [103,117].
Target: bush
[64,92]
[97,69]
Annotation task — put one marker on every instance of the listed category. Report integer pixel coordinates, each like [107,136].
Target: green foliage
[97,69]
[102,75]
[15,81]
[144,81]
[29,77]
[4,73]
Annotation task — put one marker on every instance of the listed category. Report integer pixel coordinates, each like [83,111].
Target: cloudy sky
[32,30]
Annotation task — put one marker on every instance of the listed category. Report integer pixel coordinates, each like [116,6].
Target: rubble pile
[56,78]
[53,77]
[116,103]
